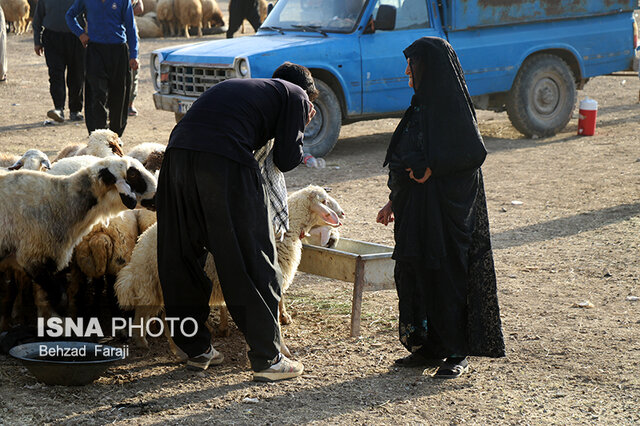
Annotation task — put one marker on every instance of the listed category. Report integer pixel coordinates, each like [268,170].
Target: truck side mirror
[386,18]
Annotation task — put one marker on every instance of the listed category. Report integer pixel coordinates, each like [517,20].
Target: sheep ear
[106,176]
[17,165]
[328,216]
[136,180]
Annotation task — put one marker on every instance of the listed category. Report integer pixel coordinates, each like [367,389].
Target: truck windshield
[340,16]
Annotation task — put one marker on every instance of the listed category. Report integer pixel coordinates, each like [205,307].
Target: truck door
[385,86]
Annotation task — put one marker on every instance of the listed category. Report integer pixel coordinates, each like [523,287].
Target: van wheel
[321,135]
[179,116]
[543,96]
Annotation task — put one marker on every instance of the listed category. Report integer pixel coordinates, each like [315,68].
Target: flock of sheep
[82,227]
[160,18]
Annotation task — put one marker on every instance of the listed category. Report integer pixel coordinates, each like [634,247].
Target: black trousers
[64,52]
[210,204]
[239,10]
[107,86]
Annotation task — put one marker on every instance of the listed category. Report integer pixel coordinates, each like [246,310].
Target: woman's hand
[423,179]
[385,215]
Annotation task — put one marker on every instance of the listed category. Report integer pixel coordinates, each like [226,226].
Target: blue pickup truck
[527,57]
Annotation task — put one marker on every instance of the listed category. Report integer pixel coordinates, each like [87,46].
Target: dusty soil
[573,239]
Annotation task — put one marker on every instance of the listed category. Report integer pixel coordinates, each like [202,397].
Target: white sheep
[165,11]
[148,25]
[138,286]
[150,154]
[33,159]
[7,160]
[189,14]
[323,235]
[16,12]
[102,143]
[149,6]
[44,217]
[69,165]
[211,14]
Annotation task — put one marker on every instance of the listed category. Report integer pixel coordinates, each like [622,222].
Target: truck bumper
[173,103]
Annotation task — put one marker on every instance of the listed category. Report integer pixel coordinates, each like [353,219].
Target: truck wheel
[543,96]
[179,116]
[321,135]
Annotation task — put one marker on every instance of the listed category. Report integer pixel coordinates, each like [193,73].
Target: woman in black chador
[444,265]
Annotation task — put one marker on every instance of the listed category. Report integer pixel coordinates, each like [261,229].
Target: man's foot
[76,116]
[452,368]
[202,361]
[133,112]
[281,370]
[3,79]
[416,360]
[56,115]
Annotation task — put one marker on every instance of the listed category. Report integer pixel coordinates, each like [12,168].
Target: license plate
[183,106]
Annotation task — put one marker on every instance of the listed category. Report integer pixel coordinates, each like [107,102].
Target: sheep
[102,143]
[211,13]
[33,159]
[189,14]
[148,25]
[7,160]
[48,215]
[149,6]
[105,250]
[150,154]
[16,12]
[70,165]
[138,286]
[165,11]
[323,235]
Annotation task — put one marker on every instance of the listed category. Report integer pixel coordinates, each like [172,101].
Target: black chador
[444,272]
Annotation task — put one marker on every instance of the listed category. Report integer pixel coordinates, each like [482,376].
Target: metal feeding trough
[65,363]
[368,266]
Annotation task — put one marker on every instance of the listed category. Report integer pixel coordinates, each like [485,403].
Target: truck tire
[178,116]
[321,135]
[543,95]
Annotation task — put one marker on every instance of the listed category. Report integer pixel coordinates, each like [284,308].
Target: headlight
[158,81]
[243,68]
[155,62]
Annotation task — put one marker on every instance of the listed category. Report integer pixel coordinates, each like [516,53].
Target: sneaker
[202,361]
[452,369]
[133,112]
[282,370]
[417,360]
[76,116]
[56,115]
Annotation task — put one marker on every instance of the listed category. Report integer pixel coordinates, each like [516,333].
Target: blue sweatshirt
[108,21]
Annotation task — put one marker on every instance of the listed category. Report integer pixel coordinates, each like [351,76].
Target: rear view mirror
[386,18]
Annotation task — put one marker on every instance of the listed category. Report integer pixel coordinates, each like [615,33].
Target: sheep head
[133,182]
[312,203]
[33,159]
[104,138]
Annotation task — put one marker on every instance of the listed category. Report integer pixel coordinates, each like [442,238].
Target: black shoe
[56,115]
[76,116]
[416,360]
[452,368]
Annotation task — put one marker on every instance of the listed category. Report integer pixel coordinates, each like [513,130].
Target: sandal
[414,360]
[452,369]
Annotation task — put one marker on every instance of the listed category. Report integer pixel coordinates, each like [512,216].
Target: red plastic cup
[587,117]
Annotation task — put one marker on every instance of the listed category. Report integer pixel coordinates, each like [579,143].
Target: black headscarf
[452,142]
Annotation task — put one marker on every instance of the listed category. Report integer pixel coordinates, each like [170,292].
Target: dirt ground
[573,239]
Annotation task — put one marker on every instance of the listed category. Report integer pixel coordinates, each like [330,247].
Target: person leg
[96,87]
[3,47]
[132,112]
[119,88]
[75,73]
[185,287]
[240,237]
[236,16]
[54,54]
[252,14]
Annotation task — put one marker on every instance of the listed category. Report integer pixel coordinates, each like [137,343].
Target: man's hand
[134,63]
[312,113]
[385,215]
[84,39]
[38,49]
[423,179]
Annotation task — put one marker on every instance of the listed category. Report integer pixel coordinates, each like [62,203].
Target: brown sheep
[16,12]
[165,11]
[211,14]
[189,14]
[148,26]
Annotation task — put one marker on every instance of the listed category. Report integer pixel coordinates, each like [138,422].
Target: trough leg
[356,306]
